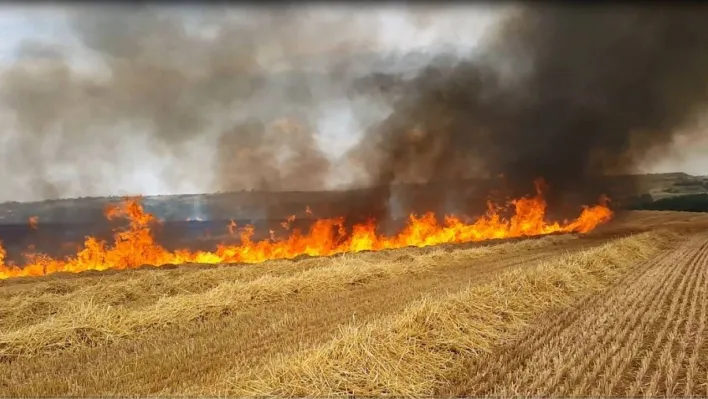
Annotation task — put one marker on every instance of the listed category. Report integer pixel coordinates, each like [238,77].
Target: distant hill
[254,205]
[200,221]
[683,203]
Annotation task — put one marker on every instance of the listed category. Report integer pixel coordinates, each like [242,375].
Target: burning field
[405,280]
[440,308]
[437,320]
[343,309]
[136,246]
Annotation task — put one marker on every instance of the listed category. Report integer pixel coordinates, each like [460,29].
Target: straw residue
[88,319]
[411,353]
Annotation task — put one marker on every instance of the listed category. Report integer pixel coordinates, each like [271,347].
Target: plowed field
[621,311]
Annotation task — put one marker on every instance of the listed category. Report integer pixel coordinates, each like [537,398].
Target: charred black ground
[567,93]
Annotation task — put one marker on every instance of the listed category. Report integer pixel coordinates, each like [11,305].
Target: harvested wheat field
[619,311]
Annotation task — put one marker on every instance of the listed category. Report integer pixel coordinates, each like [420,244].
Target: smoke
[174,100]
[566,93]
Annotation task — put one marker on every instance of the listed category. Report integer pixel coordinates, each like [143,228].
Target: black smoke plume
[565,93]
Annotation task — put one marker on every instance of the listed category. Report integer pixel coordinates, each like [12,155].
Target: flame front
[33,222]
[137,246]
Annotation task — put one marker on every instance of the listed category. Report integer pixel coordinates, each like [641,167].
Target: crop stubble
[645,336]
[208,343]
[197,351]
[414,351]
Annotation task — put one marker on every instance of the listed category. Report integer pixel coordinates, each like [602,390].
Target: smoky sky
[178,100]
[564,93]
[243,99]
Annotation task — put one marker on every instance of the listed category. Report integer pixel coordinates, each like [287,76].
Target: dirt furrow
[573,360]
[691,367]
[652,360]
[588,359]
[678,360]
[649,315]
[623,334]
[550,350]
[486,377]
[520,354]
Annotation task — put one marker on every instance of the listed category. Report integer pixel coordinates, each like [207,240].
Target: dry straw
[412,353]
[95,315]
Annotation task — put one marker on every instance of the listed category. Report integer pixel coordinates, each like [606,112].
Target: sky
[457,27]
[18,23]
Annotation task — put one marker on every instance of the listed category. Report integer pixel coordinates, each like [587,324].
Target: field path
[645,336]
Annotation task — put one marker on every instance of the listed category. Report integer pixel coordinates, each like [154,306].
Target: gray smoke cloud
[564,93]
[183,100]
[304,98]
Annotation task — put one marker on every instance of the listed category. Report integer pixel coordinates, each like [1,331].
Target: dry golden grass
[644,336]
[413,353]
[444,320]
[97,314]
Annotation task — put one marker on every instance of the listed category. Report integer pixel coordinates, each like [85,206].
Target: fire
[136,246]
[286,224]
[33,222]
[232,227]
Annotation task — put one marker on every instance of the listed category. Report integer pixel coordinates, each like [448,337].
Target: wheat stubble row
[198,353]
[77,318]
[23,303]
[645,336]
[188,355]
[414,351]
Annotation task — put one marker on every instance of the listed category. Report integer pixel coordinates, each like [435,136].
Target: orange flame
[137,246]
[3,253]
[33,222]
[286,224]
[232,227]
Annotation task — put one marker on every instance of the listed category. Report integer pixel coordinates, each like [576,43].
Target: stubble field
[620,311]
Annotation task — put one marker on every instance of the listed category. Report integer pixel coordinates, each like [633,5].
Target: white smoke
[62,133]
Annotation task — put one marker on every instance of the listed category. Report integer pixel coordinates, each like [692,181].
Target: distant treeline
[683,203]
